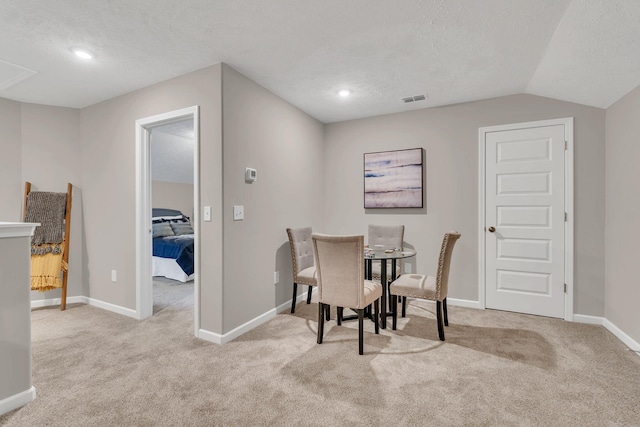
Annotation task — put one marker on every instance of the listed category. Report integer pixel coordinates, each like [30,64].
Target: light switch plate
[238,213]
[207,213]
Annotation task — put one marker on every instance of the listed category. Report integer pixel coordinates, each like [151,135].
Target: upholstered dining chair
[340,272]
[304,270]
[388,236]
[432,288]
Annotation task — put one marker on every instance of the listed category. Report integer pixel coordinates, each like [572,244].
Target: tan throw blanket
[45,270]
[48,209]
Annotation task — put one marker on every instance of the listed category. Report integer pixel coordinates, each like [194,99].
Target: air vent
[414,98]
[10,74]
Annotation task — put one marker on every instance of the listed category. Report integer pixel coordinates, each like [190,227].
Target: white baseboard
[57,301]
[301,298]
[246,327]
[203,334]
[463,303]
[17,400]
[86,300]
[112,307]
[591,320]
[629,342]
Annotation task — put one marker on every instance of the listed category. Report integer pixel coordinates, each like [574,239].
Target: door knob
[492,229]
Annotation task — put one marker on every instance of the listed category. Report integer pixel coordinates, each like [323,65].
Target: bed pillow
[180,228]
[162,229]
[165,212]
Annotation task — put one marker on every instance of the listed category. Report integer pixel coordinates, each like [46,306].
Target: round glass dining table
[384,254]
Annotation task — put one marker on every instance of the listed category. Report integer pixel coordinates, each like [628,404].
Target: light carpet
[171,293]
[92,367]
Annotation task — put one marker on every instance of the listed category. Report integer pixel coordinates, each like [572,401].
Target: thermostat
[250,175]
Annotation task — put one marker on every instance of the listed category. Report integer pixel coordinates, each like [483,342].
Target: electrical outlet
[276,277]
[114,276]
[407,268]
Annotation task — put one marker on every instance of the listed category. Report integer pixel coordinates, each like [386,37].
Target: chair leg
[328,312]
[339,315]
[309,292]
[394,311]
[444,308]
[439,316]
[376,309]
[361,331]
[404,306]
[320,322]
[294,297]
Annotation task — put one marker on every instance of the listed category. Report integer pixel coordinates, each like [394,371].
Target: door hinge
[565,288]
[566,144]
[565,217]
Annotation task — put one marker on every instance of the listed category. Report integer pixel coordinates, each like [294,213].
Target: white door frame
[144,282]
[568,205]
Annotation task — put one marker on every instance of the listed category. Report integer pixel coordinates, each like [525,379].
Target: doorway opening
[162,142]
[172,207]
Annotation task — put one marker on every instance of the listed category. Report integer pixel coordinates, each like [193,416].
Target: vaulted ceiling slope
[305,51]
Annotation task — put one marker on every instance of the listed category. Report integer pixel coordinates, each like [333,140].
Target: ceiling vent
[414,98]
[10,74]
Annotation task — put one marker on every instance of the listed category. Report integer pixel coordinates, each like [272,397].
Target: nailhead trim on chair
[445,241]
[299,281]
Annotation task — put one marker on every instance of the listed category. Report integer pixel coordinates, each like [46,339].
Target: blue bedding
[179,248]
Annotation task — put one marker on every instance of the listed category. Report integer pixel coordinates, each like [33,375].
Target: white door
[525,220]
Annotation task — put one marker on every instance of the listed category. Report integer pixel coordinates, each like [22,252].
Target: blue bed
[173,245]
[179,248]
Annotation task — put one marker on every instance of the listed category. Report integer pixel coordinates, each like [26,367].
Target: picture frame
[394,179]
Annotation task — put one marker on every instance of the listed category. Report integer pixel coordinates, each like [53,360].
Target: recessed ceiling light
[344,92]
[80,53]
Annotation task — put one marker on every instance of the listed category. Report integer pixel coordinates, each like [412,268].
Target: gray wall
[173,195]
[41,144]
[15,318]
[285,145]
[109,185]
[12,188]
[50,159]
[449,136]
[623,214]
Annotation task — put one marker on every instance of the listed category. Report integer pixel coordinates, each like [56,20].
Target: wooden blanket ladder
[67,229]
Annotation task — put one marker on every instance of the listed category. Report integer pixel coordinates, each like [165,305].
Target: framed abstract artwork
[393,179]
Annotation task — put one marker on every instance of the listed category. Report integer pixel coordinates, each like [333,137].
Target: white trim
[567,122]
[568,208]
[590,320]
[48,302]
[463,303]
[144,287]
[17,229]
[251,324]
[112,307]
[452,302]
[17,400]
[203,334]
[89,301]
[629,342]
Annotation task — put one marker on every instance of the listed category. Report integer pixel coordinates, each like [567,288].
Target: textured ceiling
[304,51]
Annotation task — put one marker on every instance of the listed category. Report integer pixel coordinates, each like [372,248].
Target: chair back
[442,278]
[340,269]
[387,235]
[301,249]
